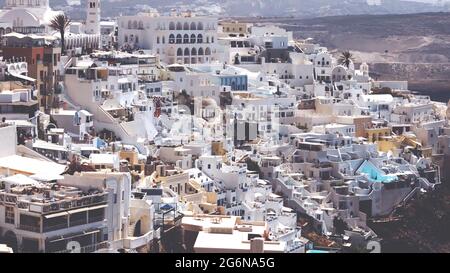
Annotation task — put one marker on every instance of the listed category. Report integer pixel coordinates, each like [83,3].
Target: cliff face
[414,47]
[269,8]
[422,226]
[411,71]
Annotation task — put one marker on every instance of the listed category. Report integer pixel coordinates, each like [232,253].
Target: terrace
[50,198]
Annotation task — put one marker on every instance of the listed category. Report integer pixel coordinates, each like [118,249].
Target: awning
[54,215]
[68,237]
[98,207]
[23,77]
[46,177]
[78,210]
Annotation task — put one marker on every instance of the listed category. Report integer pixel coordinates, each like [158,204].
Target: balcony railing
[88,248]
[56,206]
[48,228]
[78,222]
[96,219]
[30,228]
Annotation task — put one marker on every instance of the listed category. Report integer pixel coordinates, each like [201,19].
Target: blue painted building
[237,82]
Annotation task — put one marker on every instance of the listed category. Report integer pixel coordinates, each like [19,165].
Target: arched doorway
[137,229]
[10,240]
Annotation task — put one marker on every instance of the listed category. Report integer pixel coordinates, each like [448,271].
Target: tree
[346,58]
[60,22]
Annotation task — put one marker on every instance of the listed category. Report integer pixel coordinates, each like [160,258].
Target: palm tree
[60,22]
[346,58]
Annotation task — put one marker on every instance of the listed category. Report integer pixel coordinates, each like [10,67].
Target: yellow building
[235,27]
[377,134]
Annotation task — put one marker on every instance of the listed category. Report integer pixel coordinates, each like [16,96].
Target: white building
[93,17]
[29,16]
[177,38]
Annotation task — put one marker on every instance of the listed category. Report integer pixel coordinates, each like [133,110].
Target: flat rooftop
[235,242]
[28,165]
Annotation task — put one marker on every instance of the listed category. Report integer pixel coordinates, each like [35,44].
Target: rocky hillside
[413,47]
[422,226]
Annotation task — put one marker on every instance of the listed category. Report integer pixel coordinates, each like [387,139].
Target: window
[171,39]
[9,215]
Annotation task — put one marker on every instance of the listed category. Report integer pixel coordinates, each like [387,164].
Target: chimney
[257,245]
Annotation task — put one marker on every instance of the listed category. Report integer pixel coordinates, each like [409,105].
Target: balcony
[59,205]
[48,228]
[36,229]
[88,249]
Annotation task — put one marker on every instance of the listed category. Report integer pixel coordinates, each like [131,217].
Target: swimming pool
[315,251]
[375,174]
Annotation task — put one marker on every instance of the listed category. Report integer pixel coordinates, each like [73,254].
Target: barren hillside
[414,47]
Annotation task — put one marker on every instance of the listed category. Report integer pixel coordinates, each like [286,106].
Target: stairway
[131,229]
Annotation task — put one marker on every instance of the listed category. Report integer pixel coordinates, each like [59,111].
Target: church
[34,17]
[27,16]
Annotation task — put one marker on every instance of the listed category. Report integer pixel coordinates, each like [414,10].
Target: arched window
[171,39]
[207,51]
[186,39]
[186,26]
[194,51]
[179,39]
[200,26]
[200,39]
[125,38]
[200,51]
[157,40]
[179,26]
[186,52]
[163,39]
[130,24]
[193,26]
[135,24]
[179,52]
[207,39]
[171,26]
[193,38]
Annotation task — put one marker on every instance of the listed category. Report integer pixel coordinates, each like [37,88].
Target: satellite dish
[74,247]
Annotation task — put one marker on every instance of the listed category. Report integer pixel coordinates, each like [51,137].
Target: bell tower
[93,17]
